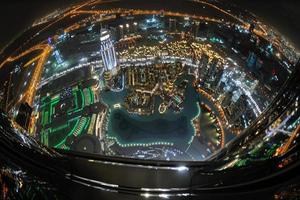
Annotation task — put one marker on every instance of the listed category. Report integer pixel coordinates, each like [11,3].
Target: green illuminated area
[62,119]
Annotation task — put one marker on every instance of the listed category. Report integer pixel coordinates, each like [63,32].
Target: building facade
[108,52]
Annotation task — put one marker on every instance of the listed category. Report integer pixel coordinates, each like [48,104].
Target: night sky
[16,15]
[284,15]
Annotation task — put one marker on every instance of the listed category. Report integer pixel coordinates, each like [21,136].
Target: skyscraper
[227,99]
[56,51]
[196,28]
[251,60]
[172,25]
[238,108]
[108,52]
[202,70]
[212,69]
[121,31]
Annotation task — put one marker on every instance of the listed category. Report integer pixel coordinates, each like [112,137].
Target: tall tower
[196,28]
[172,25]
[58,57]
[108,52]
[121,31]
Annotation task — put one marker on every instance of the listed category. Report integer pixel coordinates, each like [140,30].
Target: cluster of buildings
[144,56]
[145,83]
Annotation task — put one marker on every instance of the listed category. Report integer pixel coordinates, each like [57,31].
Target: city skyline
[149,99]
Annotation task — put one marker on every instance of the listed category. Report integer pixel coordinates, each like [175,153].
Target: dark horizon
[17,15]
[283,15]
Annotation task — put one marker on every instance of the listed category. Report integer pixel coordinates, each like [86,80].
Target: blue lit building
[58,57]
[251,60]
[108,52]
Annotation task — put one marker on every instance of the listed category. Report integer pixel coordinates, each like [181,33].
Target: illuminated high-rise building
[108,52]
[227,99]
[211,70]
[237,109]
[251,60]
[135,26]
[56,52]
[58,57]
[196,28]
[203,69]
[121,31]
[172,25]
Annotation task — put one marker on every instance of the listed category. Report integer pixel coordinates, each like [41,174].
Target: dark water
[170,127]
